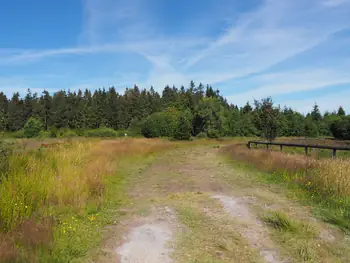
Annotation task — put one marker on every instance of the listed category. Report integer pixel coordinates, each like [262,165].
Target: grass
[301,239]
[315,153]
[280,221]
[54,201]
[209,240]
[325,183]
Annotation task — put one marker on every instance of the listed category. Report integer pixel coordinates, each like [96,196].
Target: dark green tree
[267,118]
[32,128]
[341,111]
[341,128]
[315,114]
[184,129]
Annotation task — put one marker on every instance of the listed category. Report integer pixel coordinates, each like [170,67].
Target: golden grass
[325,176]
[41,183]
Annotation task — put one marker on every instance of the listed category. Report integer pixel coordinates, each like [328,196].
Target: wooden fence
[305,146]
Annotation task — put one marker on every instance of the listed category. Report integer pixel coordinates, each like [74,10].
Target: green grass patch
[280,221]
[207,240]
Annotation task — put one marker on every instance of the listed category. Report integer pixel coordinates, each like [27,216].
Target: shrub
[183,131]
[18,134]
[32,128]
[121,133]
[135,127]
[44,134]
[213,133]
[54,133]
[341,129]
[101,132]
[202,135]
[161,124]
[69,134]
[311,129]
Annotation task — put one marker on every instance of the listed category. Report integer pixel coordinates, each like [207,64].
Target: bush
[202,135]
[213,133]
[32,128]
[161,124]
[18,134]
[135,127]
[69,134]
[341,129]
[183,131]
[311,129]
[44,134]
[121,133]
[54,133]
[101,132]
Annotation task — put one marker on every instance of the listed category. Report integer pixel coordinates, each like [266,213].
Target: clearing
[192,205]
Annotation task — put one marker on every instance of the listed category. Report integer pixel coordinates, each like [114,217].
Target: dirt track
[191,205]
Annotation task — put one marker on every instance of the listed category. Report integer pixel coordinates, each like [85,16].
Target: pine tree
[341,111]
[15,113]
[267,118]
[315,114]
[183,131]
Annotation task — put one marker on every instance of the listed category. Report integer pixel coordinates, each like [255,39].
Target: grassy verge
[55,201]
[324,184]
[300,239]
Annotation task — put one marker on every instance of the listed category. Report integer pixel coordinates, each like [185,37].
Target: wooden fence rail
[305,146]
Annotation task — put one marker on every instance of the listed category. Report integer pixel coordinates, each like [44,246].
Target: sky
[296,51]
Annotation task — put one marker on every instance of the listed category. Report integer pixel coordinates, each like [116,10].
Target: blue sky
[296,51]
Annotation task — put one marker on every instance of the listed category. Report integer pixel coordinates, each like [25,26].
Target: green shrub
[80,132]
[121,133]
[184,129]
[18,134]
[311,129]
[32,128]
[213,133]
[202,135]
[69,134]
[161,124]
[44,134]
[135,127]
[101,132]
[341,129]
[54,133]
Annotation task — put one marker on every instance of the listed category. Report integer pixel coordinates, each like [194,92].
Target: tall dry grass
[328,177]
[43,183]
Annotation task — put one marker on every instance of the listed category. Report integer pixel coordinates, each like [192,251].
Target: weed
[280,221]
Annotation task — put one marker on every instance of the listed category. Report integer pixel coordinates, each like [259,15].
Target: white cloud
[256,40]
[325,103]
[284,83]
[276,31]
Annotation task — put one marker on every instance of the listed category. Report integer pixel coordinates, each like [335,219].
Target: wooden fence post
[334,155]
[248,145]
[281,147]
[306,150]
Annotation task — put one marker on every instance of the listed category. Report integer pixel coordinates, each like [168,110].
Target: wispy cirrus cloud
[286,83]
[237,46]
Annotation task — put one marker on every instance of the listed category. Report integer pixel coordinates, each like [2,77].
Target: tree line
[197,110]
